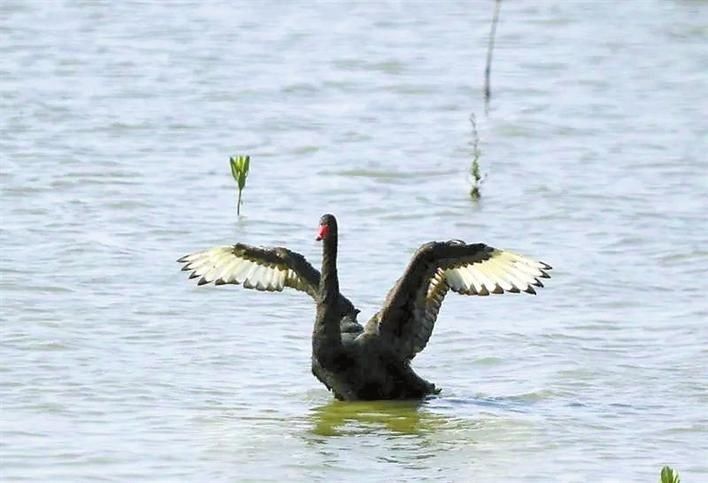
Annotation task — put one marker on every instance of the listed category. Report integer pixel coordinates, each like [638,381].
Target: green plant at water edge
[477,178]
[668,475]
[239,170]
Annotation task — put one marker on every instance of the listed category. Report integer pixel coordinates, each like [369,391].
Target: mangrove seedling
[239,170]
[668,475]
[477,178]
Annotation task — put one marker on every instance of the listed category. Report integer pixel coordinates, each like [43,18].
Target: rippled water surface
[117,120]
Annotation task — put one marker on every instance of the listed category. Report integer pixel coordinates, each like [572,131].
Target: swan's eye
[323,232]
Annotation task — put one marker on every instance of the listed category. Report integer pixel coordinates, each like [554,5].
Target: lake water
[117,121]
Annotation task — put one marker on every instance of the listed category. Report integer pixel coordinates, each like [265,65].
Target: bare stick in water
[490,49]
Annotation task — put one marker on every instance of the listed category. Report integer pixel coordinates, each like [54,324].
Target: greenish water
[117,123]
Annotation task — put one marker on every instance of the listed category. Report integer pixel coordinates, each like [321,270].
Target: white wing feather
[220,265]
[503,272]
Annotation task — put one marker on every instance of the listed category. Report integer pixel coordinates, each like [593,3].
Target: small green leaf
[234,171]
[668,475]
[240,166]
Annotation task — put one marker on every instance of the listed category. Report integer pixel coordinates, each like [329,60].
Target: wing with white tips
[268,269]
[411,308]
[501,272]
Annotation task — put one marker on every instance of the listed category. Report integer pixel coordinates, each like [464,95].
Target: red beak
[323,232]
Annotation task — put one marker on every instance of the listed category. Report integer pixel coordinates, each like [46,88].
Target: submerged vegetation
[477,178]
[668,475]
[239,171]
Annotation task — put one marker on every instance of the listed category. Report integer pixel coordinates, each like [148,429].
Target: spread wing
[269,269]
[412,305]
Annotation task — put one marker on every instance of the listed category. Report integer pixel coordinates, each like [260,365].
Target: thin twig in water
[490,49]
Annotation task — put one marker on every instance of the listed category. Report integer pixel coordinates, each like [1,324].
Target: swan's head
[328,226]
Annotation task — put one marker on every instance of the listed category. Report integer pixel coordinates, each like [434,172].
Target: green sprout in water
[239,170]
[477,178]
[668,475]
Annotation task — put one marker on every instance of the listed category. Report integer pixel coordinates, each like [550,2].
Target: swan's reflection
[347,417]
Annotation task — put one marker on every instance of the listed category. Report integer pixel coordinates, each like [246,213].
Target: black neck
[326,336]
[329,282]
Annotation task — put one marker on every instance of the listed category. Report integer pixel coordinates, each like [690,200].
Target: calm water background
[117,120]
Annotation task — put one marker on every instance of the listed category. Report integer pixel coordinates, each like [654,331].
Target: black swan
[373,361]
